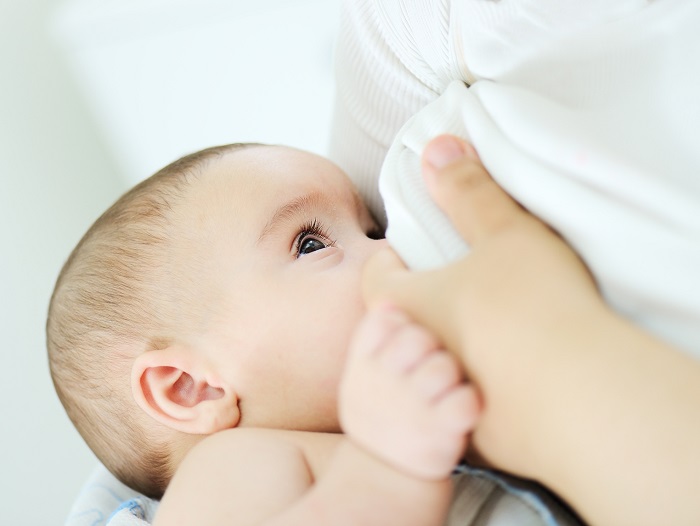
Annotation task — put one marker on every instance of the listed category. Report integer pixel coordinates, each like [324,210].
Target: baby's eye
[309,245]
[311,237]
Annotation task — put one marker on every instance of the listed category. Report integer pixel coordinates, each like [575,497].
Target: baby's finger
[461,407]
[465,191]
[406,348]
[376,328]
[436,375]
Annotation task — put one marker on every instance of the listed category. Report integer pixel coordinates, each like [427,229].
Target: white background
[94,96]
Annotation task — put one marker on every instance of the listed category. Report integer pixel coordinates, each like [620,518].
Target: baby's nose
[378,244]
[368,247]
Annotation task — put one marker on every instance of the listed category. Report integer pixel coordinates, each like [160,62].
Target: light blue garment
[482,498]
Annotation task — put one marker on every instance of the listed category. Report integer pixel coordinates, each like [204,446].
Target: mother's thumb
[464,190]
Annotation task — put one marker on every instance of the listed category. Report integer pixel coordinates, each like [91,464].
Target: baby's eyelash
[313,228]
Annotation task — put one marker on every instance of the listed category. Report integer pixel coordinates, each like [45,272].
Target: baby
[221,298]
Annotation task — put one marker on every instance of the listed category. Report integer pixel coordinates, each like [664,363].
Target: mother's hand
[519,285]
[574,395]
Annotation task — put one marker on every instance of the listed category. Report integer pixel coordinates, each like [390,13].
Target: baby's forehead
[247,186]
[275,171]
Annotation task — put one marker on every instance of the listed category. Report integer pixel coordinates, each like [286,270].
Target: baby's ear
[179,389]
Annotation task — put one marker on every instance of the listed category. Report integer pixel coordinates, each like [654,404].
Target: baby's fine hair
[109,305]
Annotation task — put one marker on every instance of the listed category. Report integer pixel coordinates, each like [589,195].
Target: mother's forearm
[611,422]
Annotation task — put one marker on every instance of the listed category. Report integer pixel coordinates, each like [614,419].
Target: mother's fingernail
[444,150]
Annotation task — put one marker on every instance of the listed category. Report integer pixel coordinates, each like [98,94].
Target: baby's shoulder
[250,439]
[244,447]
[246,470]
[259,452]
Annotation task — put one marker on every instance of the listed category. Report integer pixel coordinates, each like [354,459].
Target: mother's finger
[383,275]
[460,185]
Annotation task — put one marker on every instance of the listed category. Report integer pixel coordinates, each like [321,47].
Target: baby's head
[220,292]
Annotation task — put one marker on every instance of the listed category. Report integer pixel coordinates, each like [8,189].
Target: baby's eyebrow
[295,207]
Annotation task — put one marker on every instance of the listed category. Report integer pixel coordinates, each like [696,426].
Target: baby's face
[281,237]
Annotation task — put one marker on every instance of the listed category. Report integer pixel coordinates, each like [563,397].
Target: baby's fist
[403,399]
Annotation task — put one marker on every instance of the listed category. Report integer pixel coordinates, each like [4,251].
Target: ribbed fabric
[375,95]
[586,112]
[393,57]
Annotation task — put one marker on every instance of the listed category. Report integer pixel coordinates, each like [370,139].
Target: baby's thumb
[464,190]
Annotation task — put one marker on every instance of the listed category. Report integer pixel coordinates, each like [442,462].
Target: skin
[278,333]
[282,314]
[273,305]
[254,476]
[511,320]
[612,421]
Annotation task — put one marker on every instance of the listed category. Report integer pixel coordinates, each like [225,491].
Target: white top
[587,113]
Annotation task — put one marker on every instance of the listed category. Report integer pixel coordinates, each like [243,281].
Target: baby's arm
[407,412]
[266,477]
[237,476]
